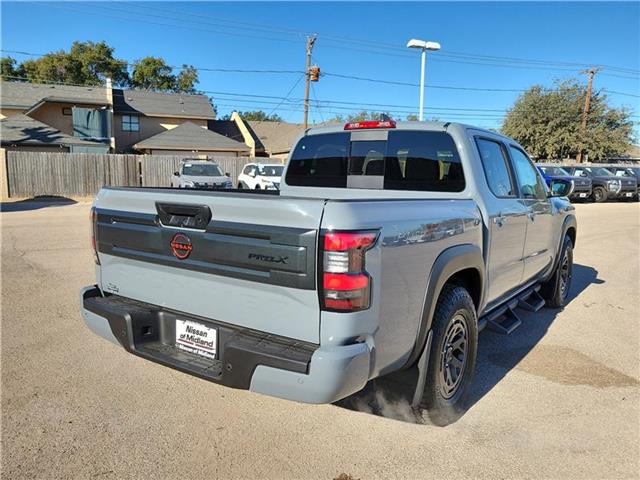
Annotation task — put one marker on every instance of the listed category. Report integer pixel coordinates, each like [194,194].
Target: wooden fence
[30,174]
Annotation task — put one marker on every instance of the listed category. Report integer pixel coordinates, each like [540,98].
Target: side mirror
[227,174]
[560,187]
[177,174]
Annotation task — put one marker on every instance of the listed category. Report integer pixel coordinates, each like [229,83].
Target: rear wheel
[556,290]
[599,194]
[452,359]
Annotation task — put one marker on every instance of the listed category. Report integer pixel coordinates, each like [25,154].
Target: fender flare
[449,262]
[568,222]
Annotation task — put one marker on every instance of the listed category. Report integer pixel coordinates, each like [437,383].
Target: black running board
[504,319]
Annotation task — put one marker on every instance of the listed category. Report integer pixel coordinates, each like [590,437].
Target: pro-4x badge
[181,246]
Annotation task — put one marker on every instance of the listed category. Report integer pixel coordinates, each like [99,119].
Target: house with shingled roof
[109,119]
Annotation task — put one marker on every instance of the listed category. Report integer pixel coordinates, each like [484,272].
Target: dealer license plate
[196,338]
[582,195]
[629,194]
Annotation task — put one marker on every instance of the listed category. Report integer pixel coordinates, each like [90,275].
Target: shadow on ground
[36,203]
[390,396]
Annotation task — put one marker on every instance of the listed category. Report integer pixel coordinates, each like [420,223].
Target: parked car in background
[581,185]
[256,176]
[632,171]
[605,184]
[201,174]
[388,246]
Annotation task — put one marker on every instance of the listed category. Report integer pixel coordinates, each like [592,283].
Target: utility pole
[310,41]
[585,112]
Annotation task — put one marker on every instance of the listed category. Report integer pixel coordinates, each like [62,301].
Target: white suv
[258,176]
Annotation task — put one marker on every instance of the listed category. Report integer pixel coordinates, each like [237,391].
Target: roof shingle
[23,130]
[162,104]
[189,136]
[25,95]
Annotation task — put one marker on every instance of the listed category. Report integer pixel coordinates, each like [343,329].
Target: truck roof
[410,125]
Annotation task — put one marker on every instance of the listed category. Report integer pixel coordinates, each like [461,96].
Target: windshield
[270,170]
[201,170]
[600,171]
[555,171]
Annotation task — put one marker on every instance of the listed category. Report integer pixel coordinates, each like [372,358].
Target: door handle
[499,220]
[532,216]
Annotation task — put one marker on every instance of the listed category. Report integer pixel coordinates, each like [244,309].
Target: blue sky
[356,39]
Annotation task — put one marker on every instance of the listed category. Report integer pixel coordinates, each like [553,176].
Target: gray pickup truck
[388,246]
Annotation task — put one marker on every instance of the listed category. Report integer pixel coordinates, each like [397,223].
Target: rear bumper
[245,359]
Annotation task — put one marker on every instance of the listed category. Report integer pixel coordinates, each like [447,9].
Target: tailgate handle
[184,215]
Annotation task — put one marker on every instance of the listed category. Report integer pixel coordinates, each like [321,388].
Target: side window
[246,170]
[531,185]
[495,164]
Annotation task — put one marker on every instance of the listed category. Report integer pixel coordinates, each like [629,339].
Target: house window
[130,123]
[66,111]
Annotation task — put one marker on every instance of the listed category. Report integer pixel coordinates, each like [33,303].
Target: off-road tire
[556,290]
[441,402]
[599,194]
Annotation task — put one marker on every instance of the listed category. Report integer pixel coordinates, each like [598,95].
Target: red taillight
[93,220]
[345,282]
[370,124]
[340,241]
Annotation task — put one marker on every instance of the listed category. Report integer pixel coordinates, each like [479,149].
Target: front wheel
[556,290]
[599,194]
[452,359]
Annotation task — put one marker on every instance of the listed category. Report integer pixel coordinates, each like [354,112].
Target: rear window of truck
[407,160]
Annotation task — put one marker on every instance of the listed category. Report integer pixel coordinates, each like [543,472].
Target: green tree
[546,121]
[260,116]
[152,73]
[86,63]
[186,80]
[365,115]
[10,70]
[412,117]
[98,63]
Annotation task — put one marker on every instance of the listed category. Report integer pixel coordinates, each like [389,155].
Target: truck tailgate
[251,264]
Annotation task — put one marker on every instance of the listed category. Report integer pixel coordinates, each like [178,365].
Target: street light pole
[423,46]
[423,61]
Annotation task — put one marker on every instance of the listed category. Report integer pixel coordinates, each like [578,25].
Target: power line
[394,50]
[343,76]
[286,96]
[325,104]
[315,98]
[398,48]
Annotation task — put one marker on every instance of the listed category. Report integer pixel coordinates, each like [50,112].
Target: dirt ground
[559,398]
